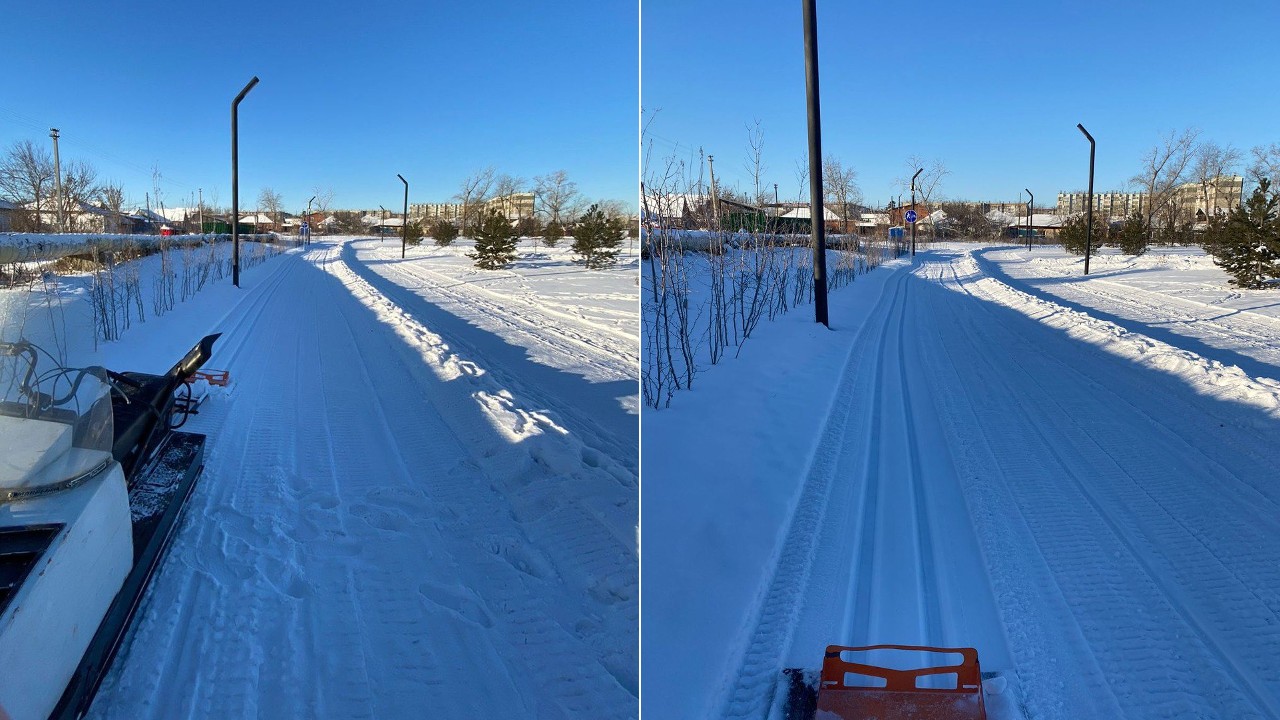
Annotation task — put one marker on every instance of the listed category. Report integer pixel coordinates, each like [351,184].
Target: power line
[99,153]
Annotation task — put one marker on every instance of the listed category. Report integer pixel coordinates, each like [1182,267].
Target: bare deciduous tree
[557,196]
[802,176]
[1164,167]
[111,195]
[271,201]
[1266,163]
[26,176]
[755,161]
[929,181]
[1211,161]
[475,189]
[79,186]
[324,199]
[840,188]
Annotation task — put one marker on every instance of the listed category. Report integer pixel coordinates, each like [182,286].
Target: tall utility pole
[57,177]
[200,208]
[382,229]
[816,215]
[404,219]
[715,202]
[235,182]
[1031,206]
[1088,238]
[913,210]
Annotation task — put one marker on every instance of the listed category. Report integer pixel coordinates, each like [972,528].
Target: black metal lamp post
[913,210]
[306,220]
[1088,237]
[235,182]
[1031,207]
[818,230]
[404,220]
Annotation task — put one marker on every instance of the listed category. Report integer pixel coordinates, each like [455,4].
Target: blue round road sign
[911,216]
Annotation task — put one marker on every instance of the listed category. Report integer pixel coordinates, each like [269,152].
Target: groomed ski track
[1101,525]
[396,519]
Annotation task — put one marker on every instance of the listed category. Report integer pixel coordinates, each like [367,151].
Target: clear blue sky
[351,93]
[992,88]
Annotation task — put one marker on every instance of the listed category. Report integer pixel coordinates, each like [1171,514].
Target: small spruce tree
[528,227]
[495,242]
[1074,235]
[552,234]
[413,233]
[444,232]
[1132,235]
[596,239]
[1247,244]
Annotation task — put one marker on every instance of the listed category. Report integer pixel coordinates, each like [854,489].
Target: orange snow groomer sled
[921,693]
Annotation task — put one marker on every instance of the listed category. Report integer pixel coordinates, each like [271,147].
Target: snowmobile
[94,476]
[851,686]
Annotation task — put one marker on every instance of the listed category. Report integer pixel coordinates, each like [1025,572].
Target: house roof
[803,213]
[258,219]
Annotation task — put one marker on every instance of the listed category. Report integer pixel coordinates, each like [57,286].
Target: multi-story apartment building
[515,206]
[1190,202]
[1194,202]
[433,212]
[1113,205]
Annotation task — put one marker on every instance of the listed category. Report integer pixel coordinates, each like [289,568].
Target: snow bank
[28,247]
[1210,377]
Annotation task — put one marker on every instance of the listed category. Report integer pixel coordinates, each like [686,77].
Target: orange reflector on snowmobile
[221,378]
[858,690]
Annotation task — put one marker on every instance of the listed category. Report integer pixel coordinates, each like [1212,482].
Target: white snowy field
[420,493]
[959,462]
[1176,295]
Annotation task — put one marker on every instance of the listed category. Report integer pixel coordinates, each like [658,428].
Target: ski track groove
[1210,637]
[749,691]
[924,539]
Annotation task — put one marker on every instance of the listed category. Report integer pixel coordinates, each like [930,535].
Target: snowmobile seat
[900,695]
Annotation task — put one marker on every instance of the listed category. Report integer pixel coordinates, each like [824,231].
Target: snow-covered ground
[958,462]
[1176,295]
[420,493]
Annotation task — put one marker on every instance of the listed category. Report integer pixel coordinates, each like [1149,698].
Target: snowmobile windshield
[55,416]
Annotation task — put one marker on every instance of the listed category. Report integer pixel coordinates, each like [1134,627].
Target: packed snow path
[391,522]
[1103,527]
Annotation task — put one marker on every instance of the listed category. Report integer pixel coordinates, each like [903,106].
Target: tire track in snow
[179,584]
[1044,626]
[1172,540]
[583,559]
[542,317]
[322,622]
[618,440]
